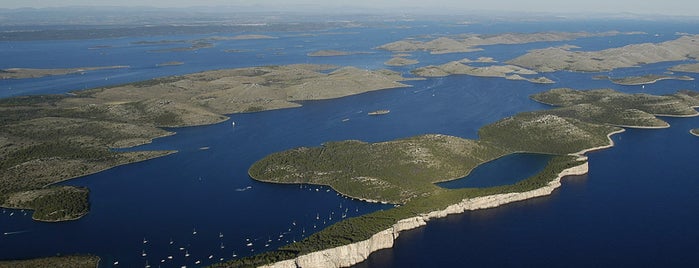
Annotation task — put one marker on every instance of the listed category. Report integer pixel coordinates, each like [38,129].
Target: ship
[379,112]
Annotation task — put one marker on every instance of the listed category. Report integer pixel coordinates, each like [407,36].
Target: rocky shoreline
[348,255]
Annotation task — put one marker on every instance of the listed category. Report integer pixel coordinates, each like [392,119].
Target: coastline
[164,153]
[348,255]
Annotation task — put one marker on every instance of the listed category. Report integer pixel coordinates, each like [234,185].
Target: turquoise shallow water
[209,191]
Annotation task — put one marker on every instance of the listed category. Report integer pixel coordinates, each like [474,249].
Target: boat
[144,253]
[145,241]
[222,246]
[211,257]
[194,231]
[169,257]
[186,253]
[220,235]
[379,112]
[249,244]
[116,263]
[197,262]
[171,241]
[233,123]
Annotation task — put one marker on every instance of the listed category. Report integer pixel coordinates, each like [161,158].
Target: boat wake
[243,189]
[15,232]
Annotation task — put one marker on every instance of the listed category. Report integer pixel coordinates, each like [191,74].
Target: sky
[662,7]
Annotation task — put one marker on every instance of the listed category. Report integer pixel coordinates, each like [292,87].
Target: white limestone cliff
[348,255]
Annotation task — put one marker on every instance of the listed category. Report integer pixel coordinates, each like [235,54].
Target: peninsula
[687,68]
[404,171]
[23,73]
[562,58]
[50,138]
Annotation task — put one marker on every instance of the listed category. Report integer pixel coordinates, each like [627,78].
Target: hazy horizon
[671,7]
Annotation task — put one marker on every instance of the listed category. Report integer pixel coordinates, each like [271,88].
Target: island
[244,37]
[509,72]
[641,80]
[23,73]
[59,262]
[563,59]
[195,45]
[473,42]
[400,61]
[695,132]
[332,53]
[46,139]
[169,63]
[404,171]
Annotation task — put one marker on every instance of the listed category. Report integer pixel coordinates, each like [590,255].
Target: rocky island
[50,138]
[560,58]
[509,72]
[23,73]
[695,132]
[332,53]
[404,171]
[400,61]
[473,42]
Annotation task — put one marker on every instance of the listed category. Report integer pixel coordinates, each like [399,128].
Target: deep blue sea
[637,206]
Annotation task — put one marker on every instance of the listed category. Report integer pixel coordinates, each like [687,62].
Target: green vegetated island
[51,138]
[405,171]
[23,73]
[641,80]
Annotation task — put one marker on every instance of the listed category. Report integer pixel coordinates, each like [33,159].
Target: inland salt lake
[637,205]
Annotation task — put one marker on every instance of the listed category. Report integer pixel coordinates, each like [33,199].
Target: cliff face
[348,255]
